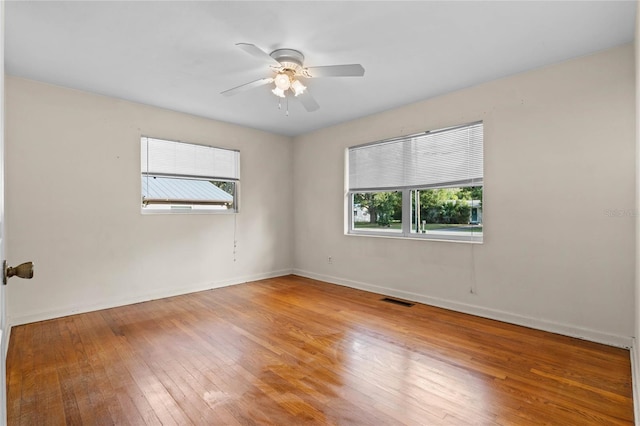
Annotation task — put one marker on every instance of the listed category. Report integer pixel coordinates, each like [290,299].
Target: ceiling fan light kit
[285,80]
[289,68]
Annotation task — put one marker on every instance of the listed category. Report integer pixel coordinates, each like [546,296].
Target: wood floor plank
[292,350]
[14,377]
[116,384]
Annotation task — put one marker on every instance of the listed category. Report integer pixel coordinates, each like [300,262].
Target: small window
[182,177]
[428,185]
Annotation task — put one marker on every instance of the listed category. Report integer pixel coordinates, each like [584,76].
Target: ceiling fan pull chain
[279,104]
[287,106]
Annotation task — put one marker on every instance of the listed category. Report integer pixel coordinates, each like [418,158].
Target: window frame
[187,208]
[407,213]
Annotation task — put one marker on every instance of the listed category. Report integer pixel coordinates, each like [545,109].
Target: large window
[428,185]
[182,177]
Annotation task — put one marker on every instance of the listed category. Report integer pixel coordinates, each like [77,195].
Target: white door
[25,270]
[3,321]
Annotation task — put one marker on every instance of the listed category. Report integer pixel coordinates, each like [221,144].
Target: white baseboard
[79,309]
[551,326]
[635,380]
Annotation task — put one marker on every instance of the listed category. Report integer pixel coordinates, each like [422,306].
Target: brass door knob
[24,270]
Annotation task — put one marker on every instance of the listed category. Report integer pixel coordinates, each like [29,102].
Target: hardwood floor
[290,351]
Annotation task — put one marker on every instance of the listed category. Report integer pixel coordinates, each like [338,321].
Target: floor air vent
[397,302]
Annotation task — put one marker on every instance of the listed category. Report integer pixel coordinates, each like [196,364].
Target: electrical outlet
[329,260]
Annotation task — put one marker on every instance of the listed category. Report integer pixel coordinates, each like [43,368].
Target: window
[428,185]
[378,211]
[182,177]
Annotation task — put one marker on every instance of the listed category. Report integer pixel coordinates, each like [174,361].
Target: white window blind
[443,158]
[169,158]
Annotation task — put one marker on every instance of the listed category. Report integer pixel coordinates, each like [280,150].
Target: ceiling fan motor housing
[290,59]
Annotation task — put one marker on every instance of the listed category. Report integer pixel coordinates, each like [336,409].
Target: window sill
[414,237]
[185,212]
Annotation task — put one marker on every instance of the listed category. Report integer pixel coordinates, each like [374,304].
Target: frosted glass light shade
[278,92]
[282,81]
[298,88]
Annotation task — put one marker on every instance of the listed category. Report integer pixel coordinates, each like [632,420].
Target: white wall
[73,205]
[559,138]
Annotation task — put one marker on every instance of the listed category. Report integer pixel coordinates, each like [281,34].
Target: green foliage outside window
[442,206]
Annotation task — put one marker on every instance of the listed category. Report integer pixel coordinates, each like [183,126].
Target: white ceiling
[181,55]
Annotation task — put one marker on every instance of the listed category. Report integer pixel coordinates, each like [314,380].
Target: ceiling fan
[288,66]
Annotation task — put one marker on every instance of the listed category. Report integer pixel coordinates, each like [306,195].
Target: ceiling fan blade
[308,102]
[350,70]
[256,52]
[247,86]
